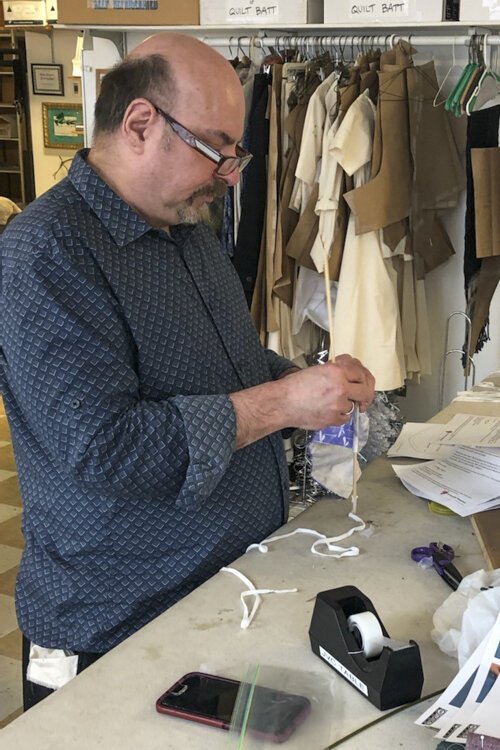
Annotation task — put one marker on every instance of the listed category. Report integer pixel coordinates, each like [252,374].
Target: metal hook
[447,352]
[341,48]
[278,52]
[472,42]
[230,47]
[487,57]
[309,48]
[240,48]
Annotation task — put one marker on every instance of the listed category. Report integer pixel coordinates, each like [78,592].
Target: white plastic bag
[331,455]
[467,615]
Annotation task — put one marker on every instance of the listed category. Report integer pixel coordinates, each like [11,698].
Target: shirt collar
[122,222]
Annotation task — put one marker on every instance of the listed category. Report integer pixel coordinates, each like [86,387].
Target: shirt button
[76,403]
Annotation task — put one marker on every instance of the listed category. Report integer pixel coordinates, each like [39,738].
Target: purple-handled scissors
[441,556]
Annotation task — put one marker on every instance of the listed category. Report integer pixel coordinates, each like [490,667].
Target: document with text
[467,481]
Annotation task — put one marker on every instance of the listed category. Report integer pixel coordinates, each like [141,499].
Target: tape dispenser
[347,633]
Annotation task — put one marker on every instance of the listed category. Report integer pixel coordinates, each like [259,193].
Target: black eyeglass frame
[226,165]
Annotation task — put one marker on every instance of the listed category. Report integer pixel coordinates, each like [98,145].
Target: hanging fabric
[481,274]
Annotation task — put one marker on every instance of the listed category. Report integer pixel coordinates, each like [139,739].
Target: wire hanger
[454,65]
[488,84]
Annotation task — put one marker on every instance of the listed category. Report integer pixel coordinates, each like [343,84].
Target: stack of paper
[464,474]
[471,702]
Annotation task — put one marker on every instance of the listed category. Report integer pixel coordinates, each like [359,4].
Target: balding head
[166,118]
[173,70]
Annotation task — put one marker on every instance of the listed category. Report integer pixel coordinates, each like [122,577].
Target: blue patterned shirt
[119,346]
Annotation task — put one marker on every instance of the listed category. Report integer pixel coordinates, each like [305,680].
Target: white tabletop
[112,704]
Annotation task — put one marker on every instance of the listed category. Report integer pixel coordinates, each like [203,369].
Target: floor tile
[10,686]
[10,533]
[8,621]
[11,645]
[4,430]
[6,474]
[8,581]
[9,557]
[7,512]
[9,492]
[7,459]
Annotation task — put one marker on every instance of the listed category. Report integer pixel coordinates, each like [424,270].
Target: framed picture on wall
[62,125]
[99,75]
[47,79]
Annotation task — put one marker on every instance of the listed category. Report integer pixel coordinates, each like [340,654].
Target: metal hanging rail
[345,40]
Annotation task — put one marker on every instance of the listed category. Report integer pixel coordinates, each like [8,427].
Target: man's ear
[137,123]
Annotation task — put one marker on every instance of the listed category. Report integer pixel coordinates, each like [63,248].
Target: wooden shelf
[9,169]
[256,29]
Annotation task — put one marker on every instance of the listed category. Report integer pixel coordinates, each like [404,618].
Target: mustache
[217,190]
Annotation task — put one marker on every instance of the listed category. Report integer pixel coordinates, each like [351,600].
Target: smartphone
[209,699]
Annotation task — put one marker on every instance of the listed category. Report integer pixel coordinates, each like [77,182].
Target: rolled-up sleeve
[278,365]
[210,425]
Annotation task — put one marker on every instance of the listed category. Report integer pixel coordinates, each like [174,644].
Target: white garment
[367,321]
[311,145]
[309,300]
[330,185]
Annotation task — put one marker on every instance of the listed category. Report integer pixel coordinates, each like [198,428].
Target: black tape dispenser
[347,633]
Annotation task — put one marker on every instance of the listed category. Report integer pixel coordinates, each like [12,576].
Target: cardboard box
[387,11]
[242,12]
[480,10]
[486,175]
[24,13]
[129,12]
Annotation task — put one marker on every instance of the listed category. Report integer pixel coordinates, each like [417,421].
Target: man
[145,415]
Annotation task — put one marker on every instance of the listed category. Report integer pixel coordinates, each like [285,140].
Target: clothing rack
[346,40]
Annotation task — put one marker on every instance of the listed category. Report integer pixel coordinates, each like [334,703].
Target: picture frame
[62,125]
[47,78]
[99,75]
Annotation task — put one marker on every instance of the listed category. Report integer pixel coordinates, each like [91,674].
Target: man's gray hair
[148,77]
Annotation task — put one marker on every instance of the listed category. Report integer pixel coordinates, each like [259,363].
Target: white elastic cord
[342,551]
[252,591]
[335,551]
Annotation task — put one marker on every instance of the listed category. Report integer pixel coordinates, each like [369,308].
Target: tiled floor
[11,544]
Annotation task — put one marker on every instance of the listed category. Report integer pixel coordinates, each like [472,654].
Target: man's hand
[312,399]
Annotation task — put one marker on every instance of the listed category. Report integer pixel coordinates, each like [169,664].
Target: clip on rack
[391,679]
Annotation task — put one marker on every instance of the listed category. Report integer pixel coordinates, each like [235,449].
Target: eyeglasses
[226,165]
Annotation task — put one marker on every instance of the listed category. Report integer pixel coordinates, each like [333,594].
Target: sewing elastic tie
[322,539]
[256,593]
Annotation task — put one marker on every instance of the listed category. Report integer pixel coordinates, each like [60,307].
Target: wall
[59,47]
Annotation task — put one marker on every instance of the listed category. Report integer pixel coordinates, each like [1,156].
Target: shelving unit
[15,157]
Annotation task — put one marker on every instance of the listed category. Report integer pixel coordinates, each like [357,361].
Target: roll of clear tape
[368,634]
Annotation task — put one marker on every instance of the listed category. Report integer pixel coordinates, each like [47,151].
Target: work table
[112,704]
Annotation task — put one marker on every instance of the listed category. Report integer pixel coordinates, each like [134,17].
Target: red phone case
[301,704]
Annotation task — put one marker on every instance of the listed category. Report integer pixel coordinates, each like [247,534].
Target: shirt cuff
[277,365]
[210,425]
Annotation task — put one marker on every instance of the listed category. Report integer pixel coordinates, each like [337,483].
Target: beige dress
[367,322]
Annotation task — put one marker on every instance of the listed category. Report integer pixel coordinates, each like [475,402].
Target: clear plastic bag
[276,705]
[330,452]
